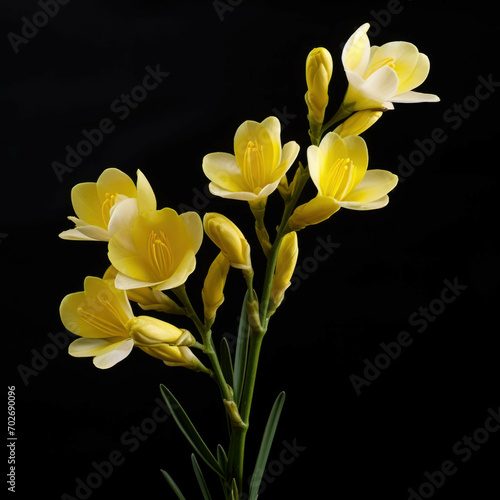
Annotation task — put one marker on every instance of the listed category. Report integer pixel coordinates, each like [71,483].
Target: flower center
[160,254]
[113,328]
[388,61]
[253,168]
[107,204]
[338,180]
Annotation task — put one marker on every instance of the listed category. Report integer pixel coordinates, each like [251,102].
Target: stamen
[160,254]
[108,203]
[253,168]
[107,327]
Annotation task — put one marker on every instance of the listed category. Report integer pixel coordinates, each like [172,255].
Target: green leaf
[201,480]
[172,484]
[226,361]
[189,431]
[240,357]
[265,446]
[221,457]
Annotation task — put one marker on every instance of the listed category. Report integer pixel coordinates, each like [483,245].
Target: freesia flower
[103,319]
[338,168]
[230,240]
[379,76]
[158,250]
[95,205]
[258,163]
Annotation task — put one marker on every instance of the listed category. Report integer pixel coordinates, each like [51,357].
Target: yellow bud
[213,287]
[319,69]
[175,356]
[357,123]
[147,331]
[285,266]
[314,211]
[230,240]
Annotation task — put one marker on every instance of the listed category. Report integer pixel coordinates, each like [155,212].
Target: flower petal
[356,51]
[417,76]
[412,97]
[110,359]
[87,205]
[375,184]
[84,347]
[145,194]
[372,205]
[114,181]
[222,169]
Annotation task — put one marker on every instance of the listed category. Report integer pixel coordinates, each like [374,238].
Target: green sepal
[265,447]
[189,431]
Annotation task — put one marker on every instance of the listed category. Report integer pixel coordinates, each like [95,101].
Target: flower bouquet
[152,252]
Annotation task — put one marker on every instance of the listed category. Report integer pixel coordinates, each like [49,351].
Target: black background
[224,68]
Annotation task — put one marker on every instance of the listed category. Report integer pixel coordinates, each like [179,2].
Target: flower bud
[319,68]
[149,331]
[175,356]
[285,266]
[213,287]
[357,123]
[230,240]
[313,212]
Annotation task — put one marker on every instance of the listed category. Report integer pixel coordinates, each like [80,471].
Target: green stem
[257,332]
[341,113]
[206,335]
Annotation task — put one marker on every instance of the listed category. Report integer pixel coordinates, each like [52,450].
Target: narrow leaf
[240,357]
[172,484]
[201,480]
[221,457]
[265,446]
[189,431]
[226,361]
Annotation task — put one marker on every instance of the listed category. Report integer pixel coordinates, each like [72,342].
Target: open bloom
[338,168]
[379,76]
[101,315]
[95,205]
[157,251]
[230,240]
[258,163]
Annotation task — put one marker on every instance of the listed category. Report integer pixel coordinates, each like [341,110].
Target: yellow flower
[379,76]
[95,204]
[257,166]
[338,168]
[157,251]
[147,298]
[357,123]
[285,266]
[319,68]
[101,315]
[175,356]
[230,240]
[213,287]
